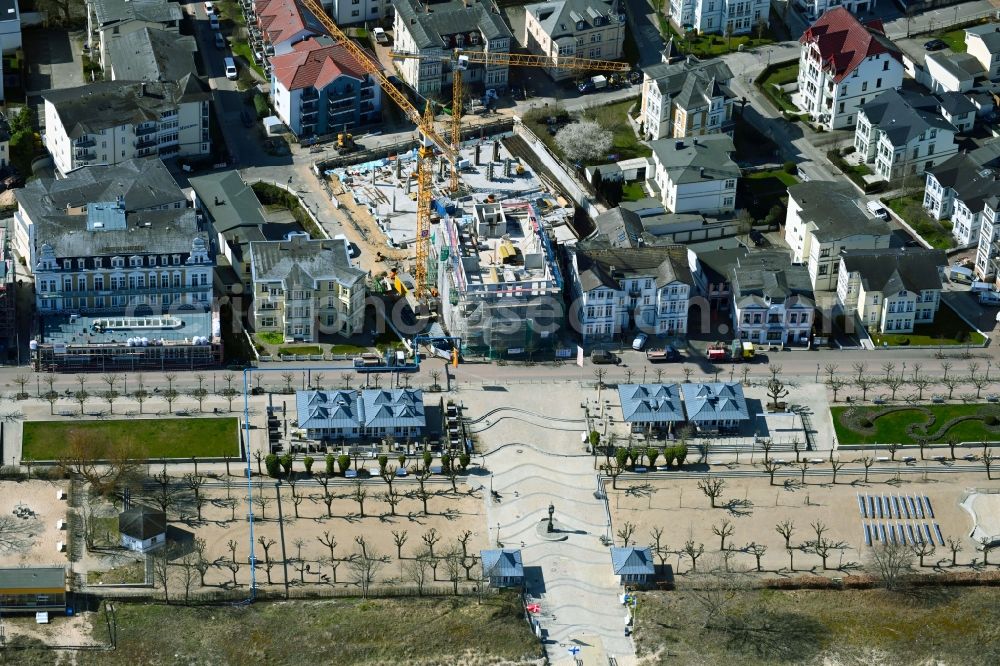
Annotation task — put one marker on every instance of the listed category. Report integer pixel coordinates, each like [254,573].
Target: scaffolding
[499,280]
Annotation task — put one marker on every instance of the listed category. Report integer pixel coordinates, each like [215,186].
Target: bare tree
[660,548]
[417,570]
[786,528]
[921,550]
[774,369]
[868,463]
[625,533]
[776,391]
[161,568]
[399,538]
[327,495]
[188,567]
[835,384]
[980,382]
[194,484]
[951,383]
[693,552]
[770,467]
[860,368]
[831,370]
[836,466]
[202,563]
[723,530]
[891,562]
[712,487]
[757,550]
[430,537]
[359,495]
[803,466]
[262,502]
[266,543]
[888,368]
[955,546]
[921,383]
[16,534]
[365,565]
[866,384]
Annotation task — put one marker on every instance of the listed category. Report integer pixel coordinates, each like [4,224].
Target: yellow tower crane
[460,61]
[424,123]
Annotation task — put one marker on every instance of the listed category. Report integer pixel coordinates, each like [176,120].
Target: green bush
[307,462]
[790,167]
[286,462]
[445,462]
[463,460]
[344,462]
[682,453]
[271,463]
[329,464]
[260,105]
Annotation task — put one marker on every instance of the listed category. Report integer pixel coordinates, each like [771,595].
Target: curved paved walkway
[571,579]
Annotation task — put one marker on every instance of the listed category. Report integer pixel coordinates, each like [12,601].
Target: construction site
[479,219]
[492,274]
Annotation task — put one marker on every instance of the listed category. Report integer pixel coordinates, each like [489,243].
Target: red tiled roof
[310,63]
[844,42]
[284,19]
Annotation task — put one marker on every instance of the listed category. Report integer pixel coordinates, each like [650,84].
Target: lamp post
[817,373]
[552,510]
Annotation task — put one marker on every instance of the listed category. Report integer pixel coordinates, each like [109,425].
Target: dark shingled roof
[903,115]
[142,523]
[975,176]
[770,275]
[89,109]
[448,18]
[912,269]
[691,78]
[833,207]
[144,183]
[667,263]
[122,11]
[152,55]
[301,261]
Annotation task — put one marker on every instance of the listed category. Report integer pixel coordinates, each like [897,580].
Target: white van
[876,208]
[230,69]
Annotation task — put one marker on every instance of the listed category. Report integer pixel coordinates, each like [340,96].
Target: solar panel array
[898,519]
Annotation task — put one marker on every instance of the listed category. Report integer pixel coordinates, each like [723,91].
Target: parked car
[220,41]
[604,358]
[209,8]
[380,36]
[640,341]
[213,21]
[878,210]
[934,45]
[231,72]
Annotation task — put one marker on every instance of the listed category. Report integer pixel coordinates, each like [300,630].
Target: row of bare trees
[894,378]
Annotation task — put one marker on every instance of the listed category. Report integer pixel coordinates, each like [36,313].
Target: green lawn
[348,349]
[626,144]
[780,76]
[154,438]
[910,208]
[307,350]
[633,192]
[708,46]
[955,39]
[271,337]
[759,191]
[947,329]
[891,428]
[353,632]
[241,48]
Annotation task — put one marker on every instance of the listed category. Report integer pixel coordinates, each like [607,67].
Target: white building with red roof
[284,23]
[317,88]
[843,65]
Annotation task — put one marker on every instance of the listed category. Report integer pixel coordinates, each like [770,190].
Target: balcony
[146,143]
[309,95]
[88,142]
[85,155]
[144,130]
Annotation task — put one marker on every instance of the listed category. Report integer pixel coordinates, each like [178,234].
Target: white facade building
[469,25]
[983,43]
[696,175]
[824,218]
[10,26]
[110,122]
[842,65]
[686,98]
[812,9]
[903,133]
[958,189]
[891,291]
[575,28]
[108,20]
[714,16]
[623,290]
[772,299]
[347,12]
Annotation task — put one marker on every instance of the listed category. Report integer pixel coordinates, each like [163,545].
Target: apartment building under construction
[499,282]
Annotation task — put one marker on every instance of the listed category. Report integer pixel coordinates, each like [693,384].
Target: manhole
[520,450]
